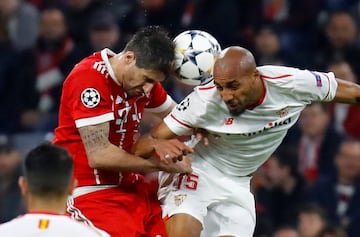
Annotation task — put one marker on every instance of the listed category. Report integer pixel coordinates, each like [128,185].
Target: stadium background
[41,40]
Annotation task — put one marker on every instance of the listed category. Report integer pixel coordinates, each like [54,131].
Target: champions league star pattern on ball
[196,52]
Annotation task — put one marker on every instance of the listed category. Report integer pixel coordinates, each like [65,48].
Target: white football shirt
[244,142]
[47,224]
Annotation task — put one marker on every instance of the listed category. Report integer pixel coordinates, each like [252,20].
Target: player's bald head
[235,60]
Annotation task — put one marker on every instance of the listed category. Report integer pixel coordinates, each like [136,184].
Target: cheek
[241,95]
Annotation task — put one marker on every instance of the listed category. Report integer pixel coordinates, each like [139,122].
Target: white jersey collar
[105,56]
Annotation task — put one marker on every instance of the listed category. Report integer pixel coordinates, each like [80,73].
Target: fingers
[181,167]
[171,150]
[202,135]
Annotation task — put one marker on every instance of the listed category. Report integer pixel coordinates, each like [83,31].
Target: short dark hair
[286,156]
[48,170]
[312,208]
[153,49]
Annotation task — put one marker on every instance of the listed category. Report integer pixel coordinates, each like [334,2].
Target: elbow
[93,161]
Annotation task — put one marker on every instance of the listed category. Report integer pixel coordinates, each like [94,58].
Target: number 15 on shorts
[188,181]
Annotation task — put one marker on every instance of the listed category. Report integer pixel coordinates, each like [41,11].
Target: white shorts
[222,203]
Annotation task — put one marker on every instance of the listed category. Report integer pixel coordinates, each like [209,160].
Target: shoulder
[205,92]
[10,228]
[270,72]
[88,72]
[80,228]
[91,66]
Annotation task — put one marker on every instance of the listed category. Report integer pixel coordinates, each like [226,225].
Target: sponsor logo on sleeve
[317,78]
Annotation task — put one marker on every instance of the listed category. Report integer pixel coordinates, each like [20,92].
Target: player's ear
[23,185]
[129,57]
[256,74]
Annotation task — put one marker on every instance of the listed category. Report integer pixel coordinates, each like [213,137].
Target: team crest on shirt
[179,199]
[183,105]
[283,112]
[90,97]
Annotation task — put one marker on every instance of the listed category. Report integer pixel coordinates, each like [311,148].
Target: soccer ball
[195,55]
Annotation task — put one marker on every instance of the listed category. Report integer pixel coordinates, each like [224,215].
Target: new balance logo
[229,121]
[101,67]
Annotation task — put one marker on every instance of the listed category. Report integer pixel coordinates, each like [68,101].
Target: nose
[227,95]
[147,87]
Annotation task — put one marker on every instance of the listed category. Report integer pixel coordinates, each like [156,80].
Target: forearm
[347,92]
[102,154]
[144,146]
[114,158]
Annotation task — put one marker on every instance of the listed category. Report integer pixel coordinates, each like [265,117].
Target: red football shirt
[90,96]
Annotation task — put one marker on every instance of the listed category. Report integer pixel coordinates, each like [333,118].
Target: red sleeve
[88,92]
[158,96]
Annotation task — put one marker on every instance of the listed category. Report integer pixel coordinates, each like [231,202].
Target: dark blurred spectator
[340,42]
[11,203]
[280,198]
[315,141]
[332,231]
[267,47]
[345,117]
[311,220]
[166,13]
[38,85]
[219,18]
[286,231]
[340,196]
[104,32]
[9,59]
[21,22]
[78,14]
[43,4]
[294,19]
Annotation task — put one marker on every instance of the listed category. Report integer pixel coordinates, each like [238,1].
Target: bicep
[162,114]
[162,131]
[95,138]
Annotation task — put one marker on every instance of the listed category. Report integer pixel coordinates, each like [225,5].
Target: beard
[237,111]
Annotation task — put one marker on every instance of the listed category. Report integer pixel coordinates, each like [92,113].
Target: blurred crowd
[310,187]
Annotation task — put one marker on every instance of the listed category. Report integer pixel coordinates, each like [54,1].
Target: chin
[237,112]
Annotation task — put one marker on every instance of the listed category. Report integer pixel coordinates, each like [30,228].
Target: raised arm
[104,155]
[347,92]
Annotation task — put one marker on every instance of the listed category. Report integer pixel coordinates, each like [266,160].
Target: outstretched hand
[171,151]
[182,166]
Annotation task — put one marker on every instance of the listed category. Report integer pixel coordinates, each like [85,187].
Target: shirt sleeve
[186,115]
[90,98]
[312,86]
[159,99]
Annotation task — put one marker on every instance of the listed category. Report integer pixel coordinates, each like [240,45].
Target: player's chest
[253,122]
[129,110]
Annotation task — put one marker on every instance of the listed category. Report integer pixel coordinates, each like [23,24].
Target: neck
[258,90]
[114,64]
[55,205]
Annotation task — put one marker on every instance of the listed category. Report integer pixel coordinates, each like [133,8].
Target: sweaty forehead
[229,71]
